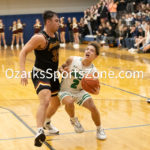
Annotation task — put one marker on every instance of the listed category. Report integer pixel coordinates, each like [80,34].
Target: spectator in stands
[94,25]
[114,23]
[81,27]
[145,47]
[70,31]
[111,35]
[130,41]
[140,37]
[87,17]
[121,8]
[130,6]
[100,35]
[102,13]
[123,34]
[113,9]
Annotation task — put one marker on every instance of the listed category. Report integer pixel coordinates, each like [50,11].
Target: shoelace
[41,131]
[49,125]
[101,131]
[77,123]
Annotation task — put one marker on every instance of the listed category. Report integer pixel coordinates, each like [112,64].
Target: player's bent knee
[45,93]
[44,96]
[69,103]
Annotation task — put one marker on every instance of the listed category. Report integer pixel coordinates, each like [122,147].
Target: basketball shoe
[101,134]
[51,129]
[39,138]
[77,126]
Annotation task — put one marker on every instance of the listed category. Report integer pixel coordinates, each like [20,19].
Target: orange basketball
[88,83]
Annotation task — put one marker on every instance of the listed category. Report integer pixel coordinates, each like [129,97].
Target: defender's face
[53,23]
[90,53]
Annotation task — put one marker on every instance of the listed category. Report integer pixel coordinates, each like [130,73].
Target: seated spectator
[140,37]
[114,23]
[100,35]
[110,39]
[123,34]
[130,41]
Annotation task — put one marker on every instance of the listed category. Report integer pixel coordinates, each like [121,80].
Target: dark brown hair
[96,46]
[48,15]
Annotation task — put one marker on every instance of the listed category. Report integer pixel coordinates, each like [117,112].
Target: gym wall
[28,11]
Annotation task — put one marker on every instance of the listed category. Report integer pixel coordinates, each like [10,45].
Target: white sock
[40,128]
[72,118]
[98,127]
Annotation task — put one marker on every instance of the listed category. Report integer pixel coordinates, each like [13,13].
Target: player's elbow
[22,54]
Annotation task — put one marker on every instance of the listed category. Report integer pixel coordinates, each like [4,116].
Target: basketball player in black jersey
[45,46]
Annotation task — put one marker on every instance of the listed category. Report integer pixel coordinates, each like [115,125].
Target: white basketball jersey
[73,82]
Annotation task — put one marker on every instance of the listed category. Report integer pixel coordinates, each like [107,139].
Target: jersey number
[55,55]
[75,83]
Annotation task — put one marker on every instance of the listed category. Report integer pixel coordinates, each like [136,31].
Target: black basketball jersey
[48,58]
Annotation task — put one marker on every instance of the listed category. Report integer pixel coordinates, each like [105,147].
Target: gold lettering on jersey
[52,45]
[55,55]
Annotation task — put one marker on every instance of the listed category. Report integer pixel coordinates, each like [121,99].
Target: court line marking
[17,138]
[20,138]
[117,128]
[26,125]
[88,131]
[123,90]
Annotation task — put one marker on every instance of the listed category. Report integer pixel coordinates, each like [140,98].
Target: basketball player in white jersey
[2,34]
[71,90]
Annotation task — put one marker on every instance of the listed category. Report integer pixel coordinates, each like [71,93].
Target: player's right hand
[67,69]
[24,79]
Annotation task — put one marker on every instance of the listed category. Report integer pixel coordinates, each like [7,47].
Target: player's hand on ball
[95,91]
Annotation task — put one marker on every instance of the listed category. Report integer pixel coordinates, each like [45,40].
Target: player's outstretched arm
[35,42]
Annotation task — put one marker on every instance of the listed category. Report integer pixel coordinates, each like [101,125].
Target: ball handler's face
[90,53]
[53,23]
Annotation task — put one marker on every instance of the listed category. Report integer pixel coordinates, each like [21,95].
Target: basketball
[89,83]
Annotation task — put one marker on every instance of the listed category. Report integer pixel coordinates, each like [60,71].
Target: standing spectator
[81,29]
[130,6]
[87,16]
[62,32]
[37,26]
[113,9]
[75,33]
[2,34]
[70,32]
[20,27]
[121,8]
[14,34]
[102,13]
